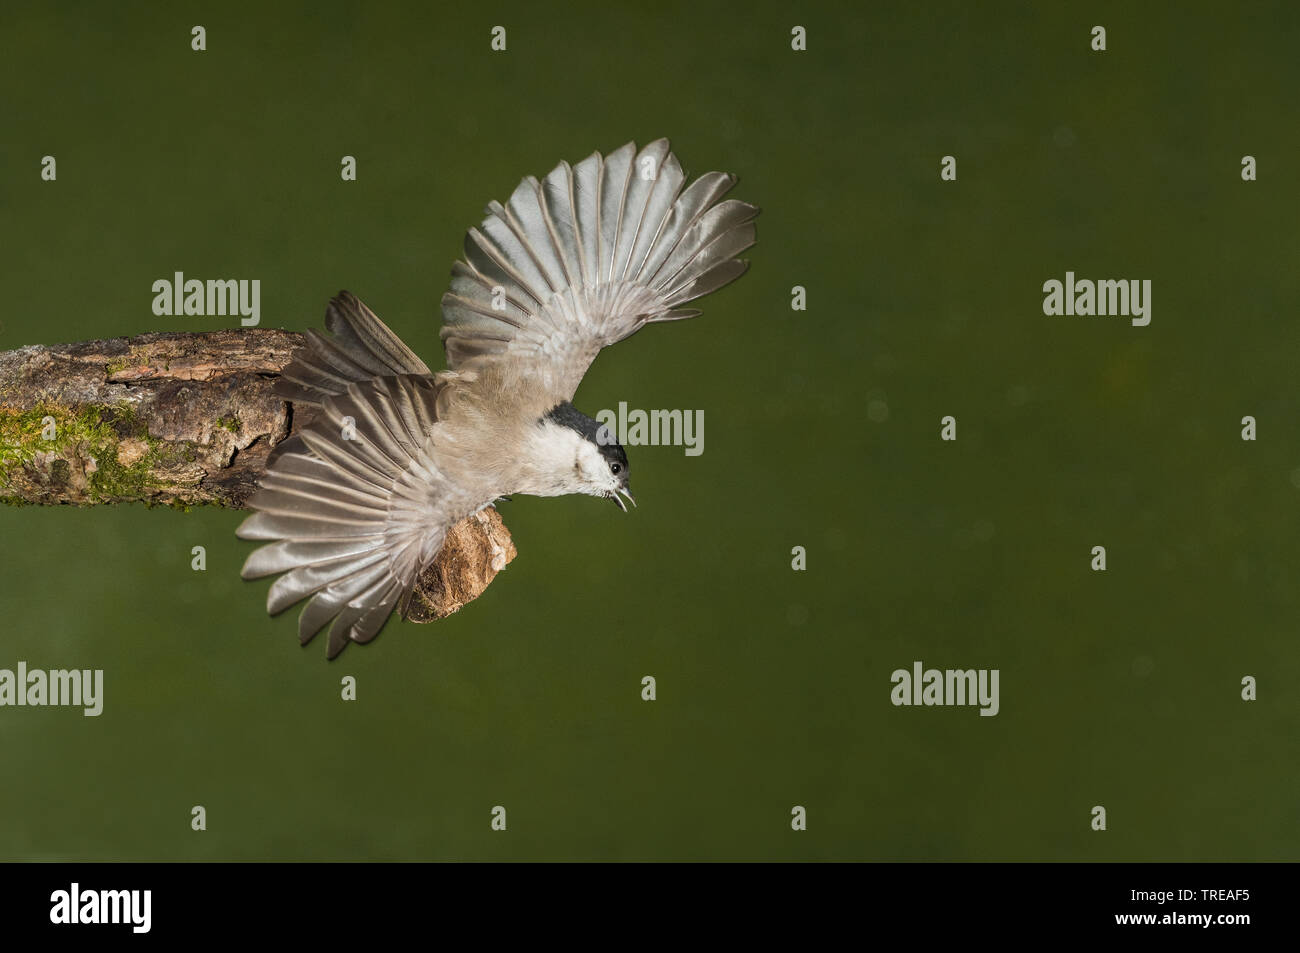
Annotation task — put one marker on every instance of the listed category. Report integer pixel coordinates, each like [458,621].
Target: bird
[357,503]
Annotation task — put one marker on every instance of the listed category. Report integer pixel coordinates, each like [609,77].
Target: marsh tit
[359,501]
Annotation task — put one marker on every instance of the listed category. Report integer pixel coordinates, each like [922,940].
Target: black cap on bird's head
[605,442]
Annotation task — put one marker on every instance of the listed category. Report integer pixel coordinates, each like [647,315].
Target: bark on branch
[181,420]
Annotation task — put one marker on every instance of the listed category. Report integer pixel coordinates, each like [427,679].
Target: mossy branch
[181,420]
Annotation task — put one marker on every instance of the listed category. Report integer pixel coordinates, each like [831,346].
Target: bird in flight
[358,503]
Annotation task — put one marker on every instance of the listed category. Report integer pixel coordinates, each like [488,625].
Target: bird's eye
[615,468]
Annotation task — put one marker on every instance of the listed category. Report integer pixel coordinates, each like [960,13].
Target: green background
[1119,688]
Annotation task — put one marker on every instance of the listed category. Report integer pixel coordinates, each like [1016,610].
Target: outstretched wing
[587,257]
[356,504]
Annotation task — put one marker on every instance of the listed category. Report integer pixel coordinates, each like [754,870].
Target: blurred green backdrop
[924,299]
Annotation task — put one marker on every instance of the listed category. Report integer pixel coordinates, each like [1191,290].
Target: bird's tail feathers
[362,347]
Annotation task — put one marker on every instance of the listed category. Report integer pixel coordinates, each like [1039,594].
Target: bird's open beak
[619,499]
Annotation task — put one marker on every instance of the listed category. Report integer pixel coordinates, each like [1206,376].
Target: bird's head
[589,457]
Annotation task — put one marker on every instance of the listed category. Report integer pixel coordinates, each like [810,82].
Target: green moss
[137,355]
[22,434]
[229,423]
[93,432]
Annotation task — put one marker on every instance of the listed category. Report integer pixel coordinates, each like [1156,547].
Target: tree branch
[181,420]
